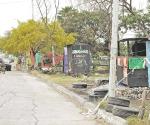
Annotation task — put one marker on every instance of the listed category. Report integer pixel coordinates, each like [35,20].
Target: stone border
[108,117]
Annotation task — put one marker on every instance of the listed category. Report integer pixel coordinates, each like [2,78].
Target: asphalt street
[25,100]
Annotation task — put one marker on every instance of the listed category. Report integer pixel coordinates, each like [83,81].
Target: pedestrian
[38,58]
[18,67]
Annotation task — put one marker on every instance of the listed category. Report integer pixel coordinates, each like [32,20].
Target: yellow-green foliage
[33,34]
[58,37]
[25,36]
[103,105]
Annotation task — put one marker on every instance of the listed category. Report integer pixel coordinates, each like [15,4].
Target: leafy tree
[33,35]
[106,5]
[58,37]
[139,21]
[89,26]
[24,37]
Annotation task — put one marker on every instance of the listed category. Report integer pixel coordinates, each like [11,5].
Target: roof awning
[133,39]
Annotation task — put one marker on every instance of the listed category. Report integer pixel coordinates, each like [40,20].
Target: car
[2,66]
[7,62]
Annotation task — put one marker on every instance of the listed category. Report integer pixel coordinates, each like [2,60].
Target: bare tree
[44,7]
[56,4]
[105,4]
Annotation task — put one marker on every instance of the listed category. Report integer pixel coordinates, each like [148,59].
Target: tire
[124,112]
[119,101]
[79,85]
[109,108]
[101,93]
[93,98]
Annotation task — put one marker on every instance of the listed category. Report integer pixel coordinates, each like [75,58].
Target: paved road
[24,100]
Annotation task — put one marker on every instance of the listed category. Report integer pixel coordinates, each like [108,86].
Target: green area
[67,80]
[58,78]
[137,121]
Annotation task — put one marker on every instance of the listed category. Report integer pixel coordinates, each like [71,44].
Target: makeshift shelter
[133,62]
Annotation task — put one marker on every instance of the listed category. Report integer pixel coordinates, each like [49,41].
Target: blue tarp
[38,58]
[148,57]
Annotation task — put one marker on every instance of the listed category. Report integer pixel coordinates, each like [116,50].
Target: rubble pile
[132,93]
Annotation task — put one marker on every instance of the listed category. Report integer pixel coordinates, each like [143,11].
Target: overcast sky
[139,4]
[13,10]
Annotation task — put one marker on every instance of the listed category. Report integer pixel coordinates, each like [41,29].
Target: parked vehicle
[2,66]
[8,63]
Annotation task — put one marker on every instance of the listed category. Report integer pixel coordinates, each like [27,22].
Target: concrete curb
[108,117]
[81,102]
[111,119]
[74,97]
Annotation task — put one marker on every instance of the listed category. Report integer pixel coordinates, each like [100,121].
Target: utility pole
[32,2]
[114,48]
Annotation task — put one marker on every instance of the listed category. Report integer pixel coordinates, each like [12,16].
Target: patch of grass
[103,105]
[137,121]
[63,79]
[58,78]
[103,67]
[97,75]
[66,80]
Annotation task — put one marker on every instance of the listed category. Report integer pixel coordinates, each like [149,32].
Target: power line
[13,2]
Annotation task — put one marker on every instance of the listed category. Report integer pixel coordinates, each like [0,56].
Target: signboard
[80,51]
[80,58]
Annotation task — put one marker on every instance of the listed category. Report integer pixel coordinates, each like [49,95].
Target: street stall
[47,62]
[133,62]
